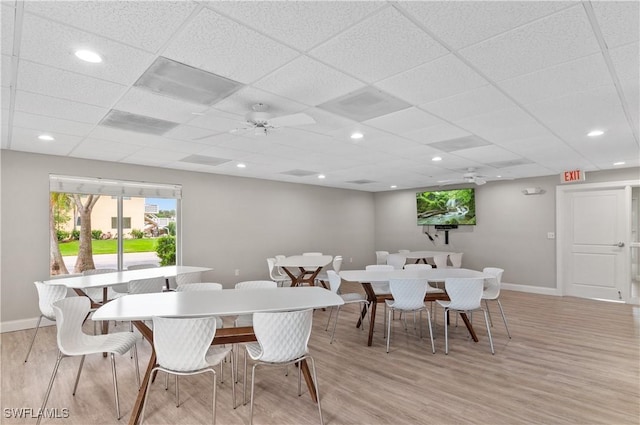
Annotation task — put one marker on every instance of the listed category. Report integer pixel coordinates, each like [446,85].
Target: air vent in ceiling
[205,160]
[299,173]
[363,181]
[364,104]
[459,144]
[174,79]
[138,123]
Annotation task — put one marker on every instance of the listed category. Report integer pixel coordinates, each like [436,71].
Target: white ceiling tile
[52,44]
[572,117]
[7,21]
[631,90]
[327,121]
[67,85]
[540,148]
[566,78]
[144,102]
[4,129]
[480,19]
[51,125]
[504,125]
[404,121]
[104,150]
[437,133]
[619,21]
[6,100]
[212,120]
[561,37]
[58,108]
[308,81]
[380,46]
[219,45]
[489,153]
[443,77]
[301,25]
[144,24]
[7,73]
[626,61]
[26,139]
[117,135]
[473,102]
[189,133]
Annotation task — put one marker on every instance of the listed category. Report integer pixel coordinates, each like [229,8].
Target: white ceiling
[528,80]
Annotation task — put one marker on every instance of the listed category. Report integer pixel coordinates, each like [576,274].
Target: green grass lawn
[110,246]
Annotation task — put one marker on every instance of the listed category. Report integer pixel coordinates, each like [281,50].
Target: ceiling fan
[470,176]
[261,122]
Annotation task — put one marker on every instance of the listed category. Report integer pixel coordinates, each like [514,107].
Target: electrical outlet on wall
[237,272]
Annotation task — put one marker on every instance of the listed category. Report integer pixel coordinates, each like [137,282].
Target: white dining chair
[455,259]
[381,257]
[183,347]
[184,278]
[380,287]
[441,261]
[349,298]
[323,276]
[316,254]
[141,266]
[403,251]
[408,297]
[465,295]
[274,274]
[396,260]
[47,295]
[282,339]
[72,341]
[113,292]
[492,293]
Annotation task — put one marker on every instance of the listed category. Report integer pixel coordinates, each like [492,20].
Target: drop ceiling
[508,88]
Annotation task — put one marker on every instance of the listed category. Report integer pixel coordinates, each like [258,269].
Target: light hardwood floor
[571,361]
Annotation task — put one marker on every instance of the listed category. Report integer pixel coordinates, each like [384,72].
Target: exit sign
[572,176]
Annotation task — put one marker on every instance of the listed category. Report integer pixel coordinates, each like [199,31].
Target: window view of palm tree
[84,232]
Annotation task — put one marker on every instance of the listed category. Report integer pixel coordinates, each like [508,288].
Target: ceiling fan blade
[480,181]
[292,120]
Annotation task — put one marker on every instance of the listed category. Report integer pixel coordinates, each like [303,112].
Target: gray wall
[511,232]
[228,222]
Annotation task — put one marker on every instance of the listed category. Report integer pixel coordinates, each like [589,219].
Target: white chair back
[316,254]
[250,284]
[492,291]
[199,286]
[403,251]
[181,344]
[396,260]
[417,266]
[440,261]
[381,257]
[337,263]
[379,267]
[464,293]
[141,266]
[408,294]
[271,263]
[184,278]
[70,314]
[98,271]
[147,286]
[283,336]
[456,259]
[334,281]
[47,295]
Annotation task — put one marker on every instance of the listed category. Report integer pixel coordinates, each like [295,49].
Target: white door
[596,252]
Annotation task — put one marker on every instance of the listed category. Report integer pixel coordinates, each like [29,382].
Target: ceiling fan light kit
[261,121]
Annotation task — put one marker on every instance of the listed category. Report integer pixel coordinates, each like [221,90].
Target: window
[126,222]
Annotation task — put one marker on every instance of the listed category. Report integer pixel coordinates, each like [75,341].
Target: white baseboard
[530,289]
[19,325]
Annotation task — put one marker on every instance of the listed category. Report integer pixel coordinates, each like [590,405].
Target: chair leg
[504,318]
[75,387]
[115,385]
[315,382]
[335,323]
[244,381]
[486,320]
[177,391]
[46,395]
[486,304]
[215,384]
[446,332]
[329,319]
[234,368]
[253,380]
[433,347]
[389,321]
[33,339]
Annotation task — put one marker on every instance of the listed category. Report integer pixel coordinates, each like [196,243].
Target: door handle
[619,244]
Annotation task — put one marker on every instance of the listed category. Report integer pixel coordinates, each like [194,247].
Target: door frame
[562,244]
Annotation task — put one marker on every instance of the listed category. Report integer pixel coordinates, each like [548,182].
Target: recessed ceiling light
[88,56]
[595,133]
[393,186]
[436,158]
[46,137]
[321,176]
[619,163]
[356,136]
[241,165]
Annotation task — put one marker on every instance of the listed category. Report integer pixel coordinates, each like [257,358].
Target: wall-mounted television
[444,207]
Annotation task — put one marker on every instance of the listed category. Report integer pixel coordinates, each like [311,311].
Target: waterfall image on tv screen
[457,206]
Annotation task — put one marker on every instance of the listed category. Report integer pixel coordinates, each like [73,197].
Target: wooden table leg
[371,296]
[308,378]
[136,410]
[469,326]
[295,280]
